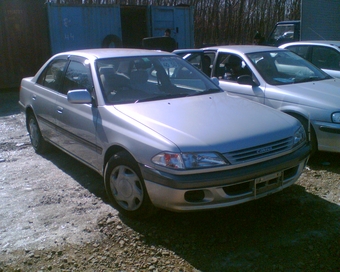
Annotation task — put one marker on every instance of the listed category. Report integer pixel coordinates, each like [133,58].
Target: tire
[39,144]
[125,187]
[111,41]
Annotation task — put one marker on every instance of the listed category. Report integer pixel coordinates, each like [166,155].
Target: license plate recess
[267,183]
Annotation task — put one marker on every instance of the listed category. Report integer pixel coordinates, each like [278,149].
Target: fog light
[194,196]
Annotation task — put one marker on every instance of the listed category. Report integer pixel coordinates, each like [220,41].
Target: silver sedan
[323,54]
[160,133]
[279,79]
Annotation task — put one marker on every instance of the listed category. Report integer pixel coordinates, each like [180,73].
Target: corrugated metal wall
[82,26]
[24,42]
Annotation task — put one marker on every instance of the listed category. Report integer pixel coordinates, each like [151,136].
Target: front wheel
[37,140]
[125,187]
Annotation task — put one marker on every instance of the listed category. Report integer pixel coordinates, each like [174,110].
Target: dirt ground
[55,216]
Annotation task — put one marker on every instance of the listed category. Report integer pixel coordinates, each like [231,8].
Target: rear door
[327,59]
[217,64]
[45,94]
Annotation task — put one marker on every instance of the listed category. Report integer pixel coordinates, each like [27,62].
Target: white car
[280,79]
[323,54]
[160,132]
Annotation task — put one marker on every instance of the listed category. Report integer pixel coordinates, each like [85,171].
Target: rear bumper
[224,188]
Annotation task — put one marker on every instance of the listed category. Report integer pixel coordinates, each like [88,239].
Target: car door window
[326,58]
[229,67]
[207,62]
[53,75]
[77,76]
[195,59]
[301,50]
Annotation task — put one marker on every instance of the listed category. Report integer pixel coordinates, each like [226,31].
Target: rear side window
[52,77]
[326,58]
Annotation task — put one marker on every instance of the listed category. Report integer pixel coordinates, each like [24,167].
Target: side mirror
[215,81]
[246,80]
[81,96]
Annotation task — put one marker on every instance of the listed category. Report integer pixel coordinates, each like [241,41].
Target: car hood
[323,94]
[212,122]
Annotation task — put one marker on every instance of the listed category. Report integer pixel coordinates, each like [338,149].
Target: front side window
[229,67]
[141,79]
[77,76]
[52,76]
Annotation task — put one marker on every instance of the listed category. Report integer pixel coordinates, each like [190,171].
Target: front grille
[258,152]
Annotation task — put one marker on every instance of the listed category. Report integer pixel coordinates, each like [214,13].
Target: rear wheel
[125,187]
[39,144]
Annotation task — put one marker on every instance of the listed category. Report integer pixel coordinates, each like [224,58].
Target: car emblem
[264,150]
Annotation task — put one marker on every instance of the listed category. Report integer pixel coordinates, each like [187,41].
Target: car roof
[314,42]
[102,53]
[243,49]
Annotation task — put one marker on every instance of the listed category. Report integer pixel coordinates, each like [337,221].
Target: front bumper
[224,188]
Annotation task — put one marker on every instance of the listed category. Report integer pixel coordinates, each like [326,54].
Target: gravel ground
[55,216]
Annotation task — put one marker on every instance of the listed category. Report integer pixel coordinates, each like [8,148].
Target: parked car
[160,132]
[279,79]
[323,54]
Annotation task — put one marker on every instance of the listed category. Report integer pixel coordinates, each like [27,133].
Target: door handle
[60,109]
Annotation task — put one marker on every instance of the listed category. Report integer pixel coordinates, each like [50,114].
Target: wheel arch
[111,151]
[28,111]
[303,117]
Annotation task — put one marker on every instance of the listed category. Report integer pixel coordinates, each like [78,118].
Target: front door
[76,123]
[228,68]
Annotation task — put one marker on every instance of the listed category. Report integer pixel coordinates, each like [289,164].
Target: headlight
[336,117]
[299,136]
[189,160]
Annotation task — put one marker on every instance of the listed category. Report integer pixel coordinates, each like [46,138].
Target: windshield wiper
[307,79]
[161,97]
[209,91]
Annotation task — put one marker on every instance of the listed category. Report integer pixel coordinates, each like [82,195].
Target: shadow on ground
[289,231]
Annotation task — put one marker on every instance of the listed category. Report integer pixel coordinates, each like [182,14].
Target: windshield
[141,79]
[285,67]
